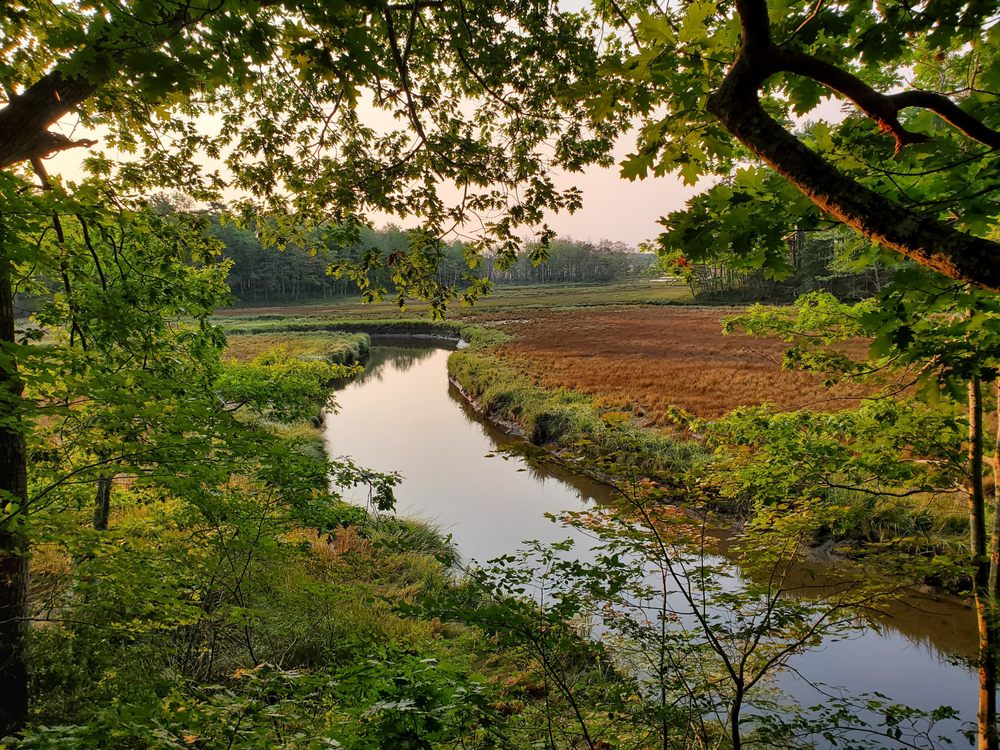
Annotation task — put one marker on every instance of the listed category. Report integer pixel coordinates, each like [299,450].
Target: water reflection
[506,448]
[391,352]
[403,418]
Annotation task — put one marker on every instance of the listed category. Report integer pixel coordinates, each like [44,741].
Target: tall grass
[339,348]
[560,418]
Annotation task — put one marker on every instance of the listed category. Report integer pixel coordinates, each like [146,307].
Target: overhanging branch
[25,120]
[884,108]
[736,103]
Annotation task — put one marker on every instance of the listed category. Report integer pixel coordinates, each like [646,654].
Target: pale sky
[617,209]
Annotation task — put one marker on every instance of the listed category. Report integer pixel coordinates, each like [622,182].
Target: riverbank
[599,429]
[255,607]
[562,420]
[471,479]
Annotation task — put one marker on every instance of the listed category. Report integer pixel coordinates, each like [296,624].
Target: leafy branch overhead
[703,73]
[313,111]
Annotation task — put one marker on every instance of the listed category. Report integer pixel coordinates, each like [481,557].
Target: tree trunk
[736,738]
[736,103]
[102,503]
[988,738]
[13,545]
[993,623]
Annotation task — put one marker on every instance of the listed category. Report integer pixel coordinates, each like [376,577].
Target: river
[403,415]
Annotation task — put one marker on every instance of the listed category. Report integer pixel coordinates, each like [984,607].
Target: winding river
[403,415]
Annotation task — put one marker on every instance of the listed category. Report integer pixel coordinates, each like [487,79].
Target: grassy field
[335,347]
[649,360]
[636,346]
[503,299]
[595,376]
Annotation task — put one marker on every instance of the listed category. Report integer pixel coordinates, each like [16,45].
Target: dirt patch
[651,359]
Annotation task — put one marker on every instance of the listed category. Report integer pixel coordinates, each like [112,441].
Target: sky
[617,209]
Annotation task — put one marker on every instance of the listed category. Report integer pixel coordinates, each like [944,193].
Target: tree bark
[25,120]
[988,738]
[735,734]
[102,503]
[995,535]
[737,105]
[13,545]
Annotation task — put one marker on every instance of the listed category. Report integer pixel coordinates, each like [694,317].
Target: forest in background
[260,274]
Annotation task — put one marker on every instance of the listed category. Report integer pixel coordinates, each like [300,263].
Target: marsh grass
[563,419]
[541,395]
[335,347]
[652,361]
[504,298]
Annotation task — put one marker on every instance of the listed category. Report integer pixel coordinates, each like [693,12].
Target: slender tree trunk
[987,717]
[734,719]
[102,503]
[992,655]
[995,532]
[13,545]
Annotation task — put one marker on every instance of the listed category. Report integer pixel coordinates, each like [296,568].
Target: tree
[700,75]
[704,75]
[647,637]
[934,334]
[280,94]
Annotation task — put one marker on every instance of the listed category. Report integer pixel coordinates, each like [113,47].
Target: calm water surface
[402,415]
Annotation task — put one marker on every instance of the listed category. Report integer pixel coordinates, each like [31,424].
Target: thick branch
[416,5]
[950,112]
[737,105]
[927,241]
[880,108]
[885,108]
[25,120]
[755,28]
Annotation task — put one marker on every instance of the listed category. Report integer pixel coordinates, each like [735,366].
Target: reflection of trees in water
[402,358]
[949,637]
[507,446]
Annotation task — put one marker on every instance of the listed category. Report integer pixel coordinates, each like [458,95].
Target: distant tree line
[571,261]
[261,274]
[812,265]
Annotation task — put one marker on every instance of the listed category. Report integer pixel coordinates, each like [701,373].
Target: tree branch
[404,76]
[736,103]
[25,120]
[885,108]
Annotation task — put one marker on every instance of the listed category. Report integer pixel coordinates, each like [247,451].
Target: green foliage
[668,61]
[324,267]
[647,639]
[248,325]
[278,387]
[943,333]
[888,470]
[338,348]
[293,104]
[769,458]
[483,338]
[204,558]
[157,641]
